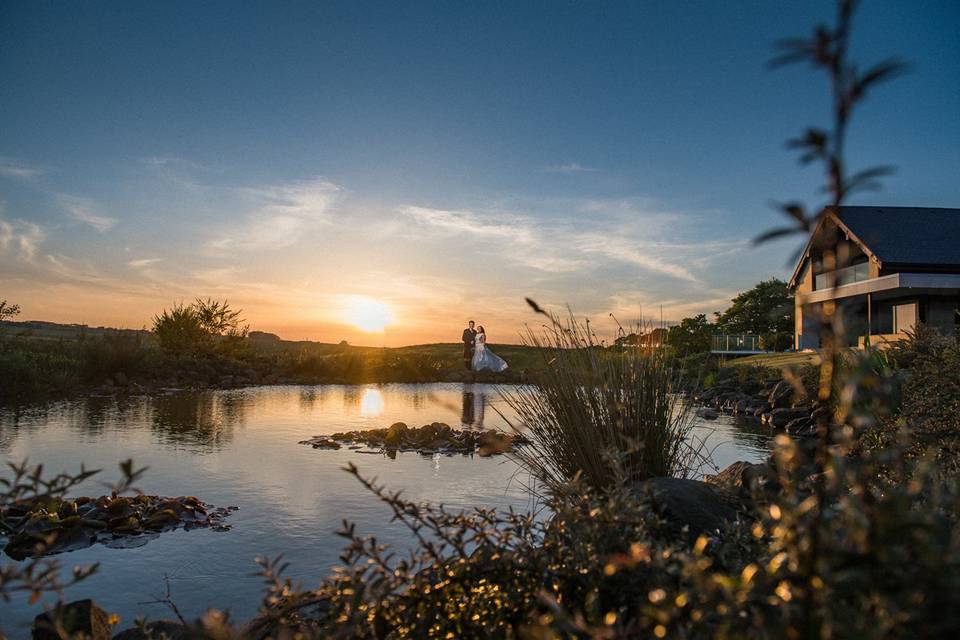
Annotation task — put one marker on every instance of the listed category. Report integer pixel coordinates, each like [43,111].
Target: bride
[483,358]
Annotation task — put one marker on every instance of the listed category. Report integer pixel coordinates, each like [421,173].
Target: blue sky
[445,159]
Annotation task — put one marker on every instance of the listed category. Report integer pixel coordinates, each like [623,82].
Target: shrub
[179,330]
[29,369]
[114,353]
[925,408]
[203,327]
[608,417]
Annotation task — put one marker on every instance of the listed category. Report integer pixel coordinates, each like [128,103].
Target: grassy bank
[44,360]
[778,360]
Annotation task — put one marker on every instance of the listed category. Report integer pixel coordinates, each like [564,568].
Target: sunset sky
[425,163]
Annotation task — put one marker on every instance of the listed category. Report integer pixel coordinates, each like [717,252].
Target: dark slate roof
[907,235]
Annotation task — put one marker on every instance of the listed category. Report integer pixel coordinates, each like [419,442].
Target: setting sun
[368,314]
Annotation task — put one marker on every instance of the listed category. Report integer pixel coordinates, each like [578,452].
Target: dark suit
[469,342]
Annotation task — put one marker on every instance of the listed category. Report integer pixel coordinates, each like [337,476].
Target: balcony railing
[740,343]
[847,275]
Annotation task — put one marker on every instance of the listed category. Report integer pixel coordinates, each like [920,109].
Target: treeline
[765,310]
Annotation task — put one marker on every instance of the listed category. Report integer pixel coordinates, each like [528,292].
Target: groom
[469,341]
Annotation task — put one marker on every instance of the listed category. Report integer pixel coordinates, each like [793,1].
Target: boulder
[157,629]
[762,408]
[713,392]
[803,427]
[743,478]
[81,618]
[779,418]
[708,413]
[781,395]
[691,504]
[820,411]
[395,434]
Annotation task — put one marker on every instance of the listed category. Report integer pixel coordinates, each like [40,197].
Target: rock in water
[322,442]
[395,434]
[80,619]
[427,439]
[46,525]
[779,418]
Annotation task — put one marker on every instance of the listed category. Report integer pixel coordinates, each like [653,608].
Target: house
[647,341]
[900,267]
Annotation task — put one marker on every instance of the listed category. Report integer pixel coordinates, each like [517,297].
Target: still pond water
[240,448]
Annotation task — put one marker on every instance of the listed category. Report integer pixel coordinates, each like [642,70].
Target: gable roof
[907,235]
[898,236]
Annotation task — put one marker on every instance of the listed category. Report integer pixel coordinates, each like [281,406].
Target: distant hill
[262,341]
[42,330]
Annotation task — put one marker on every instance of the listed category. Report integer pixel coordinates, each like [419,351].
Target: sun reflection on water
[371,403]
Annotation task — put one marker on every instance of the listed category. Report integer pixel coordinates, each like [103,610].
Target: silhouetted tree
[199,327]
[8,311]
[765,310]
[691,336]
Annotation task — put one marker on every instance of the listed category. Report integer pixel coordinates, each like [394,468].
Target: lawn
[778,360]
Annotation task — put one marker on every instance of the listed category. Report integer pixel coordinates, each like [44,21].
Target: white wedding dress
[484,359]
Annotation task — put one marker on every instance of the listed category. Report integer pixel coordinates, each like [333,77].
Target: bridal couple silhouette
[476,355]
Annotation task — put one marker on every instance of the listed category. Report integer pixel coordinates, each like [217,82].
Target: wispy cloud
[85,211]
[472,223]
[12,168]
[140,263]
[631,252]
[282,215]
[21,238]
[570,167]
[519,239]
[554,247]
[168,160]
[182,172]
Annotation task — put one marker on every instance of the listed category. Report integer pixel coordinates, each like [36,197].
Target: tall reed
[603,416]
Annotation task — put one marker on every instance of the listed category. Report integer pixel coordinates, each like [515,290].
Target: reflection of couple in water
[476,355]
[473,406]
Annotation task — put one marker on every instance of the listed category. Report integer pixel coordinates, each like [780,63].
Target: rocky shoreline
[779,405]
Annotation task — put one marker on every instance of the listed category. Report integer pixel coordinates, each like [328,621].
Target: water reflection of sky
[240,448]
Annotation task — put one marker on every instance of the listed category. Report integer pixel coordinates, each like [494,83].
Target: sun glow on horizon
[367,314]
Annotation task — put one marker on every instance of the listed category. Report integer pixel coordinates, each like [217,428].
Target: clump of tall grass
[605,416]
